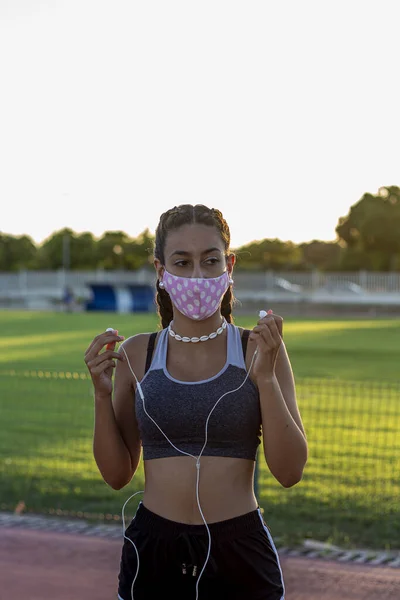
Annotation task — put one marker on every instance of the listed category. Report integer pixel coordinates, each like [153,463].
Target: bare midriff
[225,488]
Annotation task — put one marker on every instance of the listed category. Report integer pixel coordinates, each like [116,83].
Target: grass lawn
[348,388]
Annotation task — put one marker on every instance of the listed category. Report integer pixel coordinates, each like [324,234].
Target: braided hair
[174,218]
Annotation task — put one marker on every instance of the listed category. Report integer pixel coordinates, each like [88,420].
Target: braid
[173,219]
[226,305]
[164,306]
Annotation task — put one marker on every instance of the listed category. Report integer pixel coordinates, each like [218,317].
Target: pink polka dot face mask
[196,298]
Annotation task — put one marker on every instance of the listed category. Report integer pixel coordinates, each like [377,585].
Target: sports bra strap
[150,349]
[245,338]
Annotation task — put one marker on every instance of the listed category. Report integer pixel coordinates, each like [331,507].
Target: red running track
[44,565]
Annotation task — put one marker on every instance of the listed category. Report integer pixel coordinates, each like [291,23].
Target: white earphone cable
[197,459]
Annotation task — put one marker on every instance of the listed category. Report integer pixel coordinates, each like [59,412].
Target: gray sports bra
[181,408]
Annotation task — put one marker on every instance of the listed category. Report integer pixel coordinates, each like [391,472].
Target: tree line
[368,237]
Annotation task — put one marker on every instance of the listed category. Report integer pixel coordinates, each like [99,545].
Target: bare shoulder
[136,343]
[134,351]
[135,348]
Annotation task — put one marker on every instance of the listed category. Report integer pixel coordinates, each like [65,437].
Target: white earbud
[262,314]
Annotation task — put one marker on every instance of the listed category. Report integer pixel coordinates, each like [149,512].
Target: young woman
[207,392]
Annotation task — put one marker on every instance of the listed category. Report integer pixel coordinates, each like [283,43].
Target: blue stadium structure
[121,298]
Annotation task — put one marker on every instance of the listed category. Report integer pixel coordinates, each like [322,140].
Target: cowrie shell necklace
[194,340]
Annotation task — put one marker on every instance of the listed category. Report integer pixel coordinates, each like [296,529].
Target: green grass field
[348,388]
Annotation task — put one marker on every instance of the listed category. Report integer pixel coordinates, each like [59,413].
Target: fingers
[274,320]
[104,337]
[268,330]
[103,366]
[99,342]
[113,344]
[264,346]
[104,356]
[265,339]
[103,361]
[267,333]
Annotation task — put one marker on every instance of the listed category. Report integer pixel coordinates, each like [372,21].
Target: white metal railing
[26,281]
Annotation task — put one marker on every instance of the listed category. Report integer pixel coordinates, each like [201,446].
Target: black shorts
[243,563]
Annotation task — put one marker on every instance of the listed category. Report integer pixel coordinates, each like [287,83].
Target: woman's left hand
[268,335]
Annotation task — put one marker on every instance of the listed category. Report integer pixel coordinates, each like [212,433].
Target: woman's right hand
[101,364]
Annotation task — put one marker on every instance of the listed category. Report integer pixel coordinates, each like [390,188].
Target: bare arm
[285,444]
[124,405]
[116,441]
[285,447]
[284,375]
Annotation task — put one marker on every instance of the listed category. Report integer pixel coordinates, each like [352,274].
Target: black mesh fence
[349,494]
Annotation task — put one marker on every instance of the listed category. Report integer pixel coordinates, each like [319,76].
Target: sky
[280,114]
